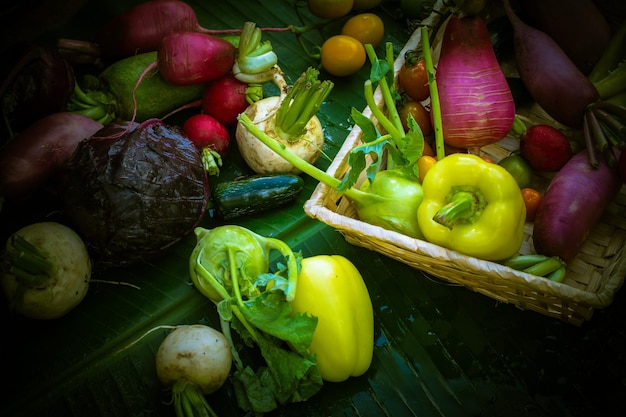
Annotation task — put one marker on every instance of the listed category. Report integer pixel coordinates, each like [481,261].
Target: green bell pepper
[473,207]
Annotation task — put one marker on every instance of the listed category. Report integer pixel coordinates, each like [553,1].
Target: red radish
[190,58]
[550,76]
[225,99]
[141,28]
[572,204]
[477,106]
[545,148]
[187,58]
[30,160]
[207,132]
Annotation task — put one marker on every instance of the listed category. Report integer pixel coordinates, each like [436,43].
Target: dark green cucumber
[254,194]
[112,92]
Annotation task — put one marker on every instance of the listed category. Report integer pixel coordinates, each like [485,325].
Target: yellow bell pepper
[331,288]
[473,207]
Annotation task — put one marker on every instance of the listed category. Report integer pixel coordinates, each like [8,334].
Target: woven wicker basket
[592,279]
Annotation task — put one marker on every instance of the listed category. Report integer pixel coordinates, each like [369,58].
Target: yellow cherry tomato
[424,164]
[365,4]
[330,9]
[365,27]
[342,55]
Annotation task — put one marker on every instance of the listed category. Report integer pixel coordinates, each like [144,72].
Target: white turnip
[46,270]
[193,360]
[290,119]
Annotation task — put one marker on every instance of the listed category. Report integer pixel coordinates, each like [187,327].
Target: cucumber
[254,194]
[109,97]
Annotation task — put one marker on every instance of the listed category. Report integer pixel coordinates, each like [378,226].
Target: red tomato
[413,78]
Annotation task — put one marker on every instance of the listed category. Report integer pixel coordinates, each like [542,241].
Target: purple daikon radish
[477,106]
[550,76]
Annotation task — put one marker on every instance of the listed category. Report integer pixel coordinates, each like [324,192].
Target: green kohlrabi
[232,266]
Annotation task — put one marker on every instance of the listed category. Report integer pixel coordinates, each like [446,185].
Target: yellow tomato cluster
[344,54]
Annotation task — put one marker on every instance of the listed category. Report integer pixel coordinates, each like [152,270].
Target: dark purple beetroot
[130,197]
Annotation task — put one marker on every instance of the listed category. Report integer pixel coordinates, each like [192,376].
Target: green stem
[378,113]
[301,103]
[29,265]
[518,128]
[189,400]
[309,169]
[435,106]
[612,84]
[392,122]
[464,205]
[613,54]
[292,265]
[234,276]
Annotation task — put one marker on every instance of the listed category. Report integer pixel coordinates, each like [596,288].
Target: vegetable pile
[306,332]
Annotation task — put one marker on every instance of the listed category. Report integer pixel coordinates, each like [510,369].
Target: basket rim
[315,208]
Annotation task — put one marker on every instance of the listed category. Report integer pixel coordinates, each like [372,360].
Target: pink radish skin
[207,132]
[141,28]
[30,160]
[477,106]
[187,58]
[550,76]
[576,198]
[225,99]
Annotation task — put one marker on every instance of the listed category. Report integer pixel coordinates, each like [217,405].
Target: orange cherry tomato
[424,164]
[330,9]
[342,55]
[419,113]
[413,77]
[366,27]
[428,149]
[532,199]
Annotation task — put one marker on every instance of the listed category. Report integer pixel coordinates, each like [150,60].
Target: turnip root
[290,119]
[45,270]
[193,360]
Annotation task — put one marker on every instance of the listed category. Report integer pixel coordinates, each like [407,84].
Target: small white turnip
[290,119]
[193,360]
[46,270]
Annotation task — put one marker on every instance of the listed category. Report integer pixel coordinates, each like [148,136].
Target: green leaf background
[440,349]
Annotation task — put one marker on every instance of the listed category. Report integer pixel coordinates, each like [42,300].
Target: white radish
[46,270]
[193,360]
